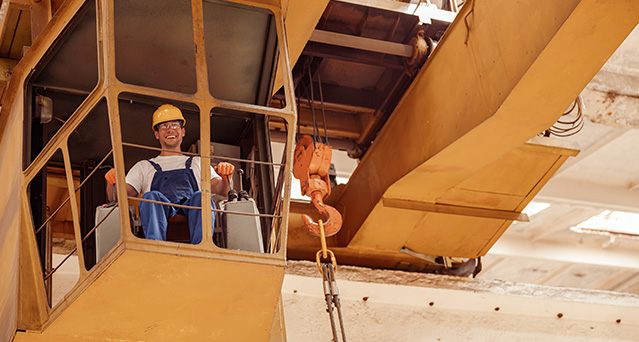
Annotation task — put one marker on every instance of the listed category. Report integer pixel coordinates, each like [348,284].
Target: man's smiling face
[170,135]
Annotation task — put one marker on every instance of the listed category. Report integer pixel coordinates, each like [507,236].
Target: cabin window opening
[62,80]
[52,219]
[64,219]
[141,143]
[246,221]
[91,156]
[154,44]
[241,51]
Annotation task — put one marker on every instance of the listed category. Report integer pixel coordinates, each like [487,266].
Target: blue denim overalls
[177,187]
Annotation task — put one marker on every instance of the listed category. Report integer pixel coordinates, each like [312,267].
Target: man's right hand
[110,177]
[224,169]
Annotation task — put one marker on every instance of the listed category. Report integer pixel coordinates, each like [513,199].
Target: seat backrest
[178,229]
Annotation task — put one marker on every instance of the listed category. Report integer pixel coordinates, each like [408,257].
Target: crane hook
[333,222]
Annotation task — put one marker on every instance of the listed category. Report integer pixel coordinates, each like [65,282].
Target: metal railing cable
[197,155]
[75,190]
[83,239]
[200,208]
[274,238]
[277,206]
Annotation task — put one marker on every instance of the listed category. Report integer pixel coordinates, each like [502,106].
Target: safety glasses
[171,124]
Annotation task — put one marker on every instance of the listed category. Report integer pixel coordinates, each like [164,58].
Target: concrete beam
[425,11]
[559,251]
[613,107]
[590,195]
[393,306]
[576,216]
[601,143]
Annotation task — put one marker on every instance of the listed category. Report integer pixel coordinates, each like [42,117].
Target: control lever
[243,194]
[232,196]
[113,201]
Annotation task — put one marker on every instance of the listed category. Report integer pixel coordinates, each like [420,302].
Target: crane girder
[494,82]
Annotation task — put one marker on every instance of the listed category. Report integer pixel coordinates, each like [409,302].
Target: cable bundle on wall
[567,126]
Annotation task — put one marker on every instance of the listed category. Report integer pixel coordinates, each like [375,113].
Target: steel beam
[354,56]
[361,43]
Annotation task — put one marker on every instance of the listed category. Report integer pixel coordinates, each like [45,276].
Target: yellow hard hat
[167,112]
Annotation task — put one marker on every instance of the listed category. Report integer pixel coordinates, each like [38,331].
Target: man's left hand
[224,169]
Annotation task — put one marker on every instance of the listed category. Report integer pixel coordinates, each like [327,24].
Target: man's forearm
[130,191]
[220,186]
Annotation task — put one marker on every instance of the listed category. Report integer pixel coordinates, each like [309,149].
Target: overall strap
[156,166]
[187,164]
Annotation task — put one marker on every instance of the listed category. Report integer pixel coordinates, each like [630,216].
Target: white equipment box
[243,232]
[108,233]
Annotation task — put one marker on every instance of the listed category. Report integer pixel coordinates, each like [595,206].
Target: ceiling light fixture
[611,222]
[535,207]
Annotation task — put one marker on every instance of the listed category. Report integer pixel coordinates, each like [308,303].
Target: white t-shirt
[141,174]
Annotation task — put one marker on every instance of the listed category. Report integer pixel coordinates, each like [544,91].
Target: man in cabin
[170,177]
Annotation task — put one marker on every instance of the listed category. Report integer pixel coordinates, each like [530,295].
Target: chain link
[331,292]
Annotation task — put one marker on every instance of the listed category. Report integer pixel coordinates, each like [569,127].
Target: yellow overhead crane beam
[504,72]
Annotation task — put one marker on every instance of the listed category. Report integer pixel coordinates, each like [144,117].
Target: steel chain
[331,292]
